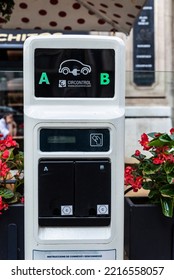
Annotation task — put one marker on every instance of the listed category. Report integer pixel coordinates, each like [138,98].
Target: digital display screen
[67,140]
[74,73]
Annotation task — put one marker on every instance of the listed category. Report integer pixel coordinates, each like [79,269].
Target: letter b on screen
[104,79]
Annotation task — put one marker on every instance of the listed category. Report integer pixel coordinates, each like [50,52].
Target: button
[102,209]
[66,210]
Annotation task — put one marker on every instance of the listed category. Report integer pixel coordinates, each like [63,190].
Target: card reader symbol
[96,139]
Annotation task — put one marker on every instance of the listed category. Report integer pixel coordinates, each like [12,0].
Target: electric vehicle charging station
[74,147]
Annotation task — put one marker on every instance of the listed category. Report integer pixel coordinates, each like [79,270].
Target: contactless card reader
[74,147]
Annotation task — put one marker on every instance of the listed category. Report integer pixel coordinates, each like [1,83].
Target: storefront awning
[75,15]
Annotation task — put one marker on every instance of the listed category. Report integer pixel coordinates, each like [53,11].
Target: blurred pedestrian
[8,125]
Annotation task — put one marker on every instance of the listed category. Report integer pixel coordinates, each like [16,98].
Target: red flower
[157,135]
[3,169]
[144,142]
[137,183]
[5,154]
[1,203]
[170,158]
[128,175]
[137,153]
[128,170]
[2,146]
[172,131]
[158,160]
[130,179]
[162,149]
[3,206]
[9,142]
[10,160]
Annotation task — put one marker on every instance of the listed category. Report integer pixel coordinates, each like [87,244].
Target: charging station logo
[62,83]
[74,67]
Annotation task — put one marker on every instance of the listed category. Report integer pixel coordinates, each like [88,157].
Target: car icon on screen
[75,67]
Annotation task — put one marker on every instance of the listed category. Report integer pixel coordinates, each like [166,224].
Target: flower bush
[155,170]
[11,173]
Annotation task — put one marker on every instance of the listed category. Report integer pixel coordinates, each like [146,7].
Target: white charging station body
[74,147]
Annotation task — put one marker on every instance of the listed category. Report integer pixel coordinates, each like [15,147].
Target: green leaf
[162,140]
[172,137]
[11,156]
[167,206]
[170,178]
[140,157]
[168,167]
[153,134]
[153,193]
[151,168]
[167,190]
[156,143]
[6,193]
[15,198]
[165,138]
[147,185]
